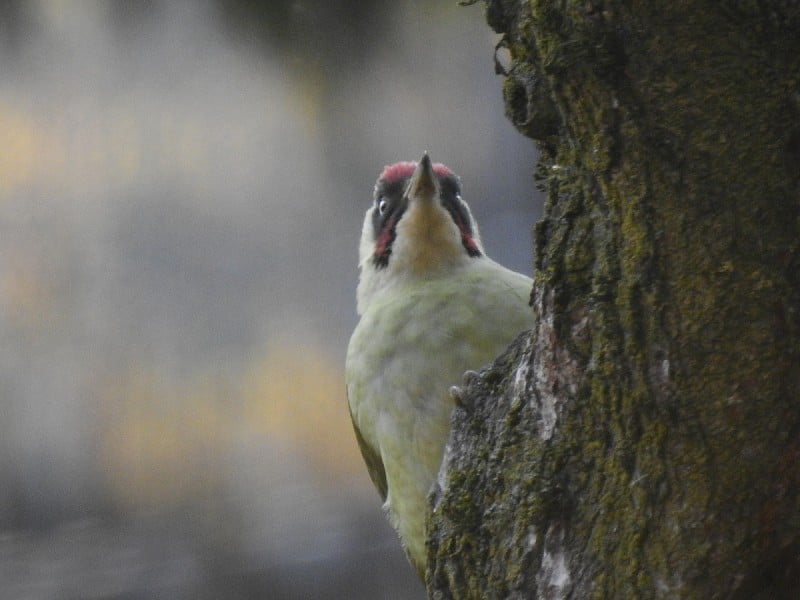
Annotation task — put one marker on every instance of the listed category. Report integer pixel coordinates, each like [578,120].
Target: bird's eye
[383,206]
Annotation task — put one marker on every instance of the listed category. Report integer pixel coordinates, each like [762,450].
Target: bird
[431,307]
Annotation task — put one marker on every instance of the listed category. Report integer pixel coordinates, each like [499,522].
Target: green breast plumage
[412,344]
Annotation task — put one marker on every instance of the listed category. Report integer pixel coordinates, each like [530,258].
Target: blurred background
[182,186]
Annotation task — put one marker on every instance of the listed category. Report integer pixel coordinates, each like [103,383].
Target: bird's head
[418,227]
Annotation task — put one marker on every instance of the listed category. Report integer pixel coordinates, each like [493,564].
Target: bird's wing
[372,457]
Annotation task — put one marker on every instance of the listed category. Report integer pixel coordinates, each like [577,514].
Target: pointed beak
[423,184]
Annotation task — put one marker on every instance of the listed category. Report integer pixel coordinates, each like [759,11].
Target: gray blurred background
[182,186]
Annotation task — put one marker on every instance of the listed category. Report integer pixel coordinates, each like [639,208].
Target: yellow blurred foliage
[23,141]
[165,444]
[84,151]
[162,444]
[298,394]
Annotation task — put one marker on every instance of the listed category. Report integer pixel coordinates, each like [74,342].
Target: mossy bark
[643,441]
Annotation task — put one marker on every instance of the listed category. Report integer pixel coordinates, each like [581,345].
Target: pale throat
[427,240]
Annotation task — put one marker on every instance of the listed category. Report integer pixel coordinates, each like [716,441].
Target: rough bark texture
[643,441]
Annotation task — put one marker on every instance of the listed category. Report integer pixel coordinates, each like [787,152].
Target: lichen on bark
[644,439]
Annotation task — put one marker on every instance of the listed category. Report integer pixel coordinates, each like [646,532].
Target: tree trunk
[643,441]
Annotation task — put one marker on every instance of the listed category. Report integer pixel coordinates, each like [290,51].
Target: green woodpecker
[432,305]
